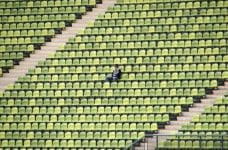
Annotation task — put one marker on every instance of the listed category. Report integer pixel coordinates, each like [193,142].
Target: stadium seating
[26,25]
[208,130]
[170,52]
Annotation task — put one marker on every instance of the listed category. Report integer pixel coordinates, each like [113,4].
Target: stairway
[185,118]
[50,47]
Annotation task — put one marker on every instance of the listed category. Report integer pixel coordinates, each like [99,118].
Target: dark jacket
[116,74]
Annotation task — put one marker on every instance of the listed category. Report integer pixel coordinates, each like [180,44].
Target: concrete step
[19,71]
[202,104]
[196,109]
[78,25]
[223,87]
[173,127]
[51,44]
[65,37]
[189,114]
[220,91]
[69,31]
[207,101]
[138,148]
[60,40]
[212,96]
[179,122]
[184,118]
[34,59]
[163,131]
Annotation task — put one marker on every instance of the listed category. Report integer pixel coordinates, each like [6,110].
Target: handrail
[220,138]
[137,141]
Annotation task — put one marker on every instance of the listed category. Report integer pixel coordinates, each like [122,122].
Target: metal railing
[196,141]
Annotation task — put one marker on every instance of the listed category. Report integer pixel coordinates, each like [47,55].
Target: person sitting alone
[116,74]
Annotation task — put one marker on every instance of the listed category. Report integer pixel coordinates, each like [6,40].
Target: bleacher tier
[171,52]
